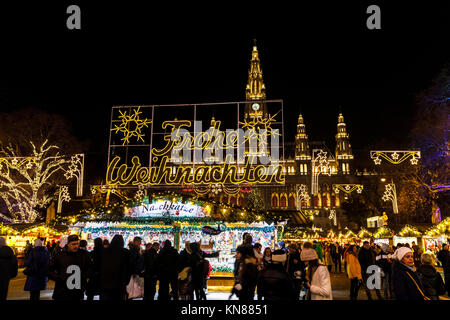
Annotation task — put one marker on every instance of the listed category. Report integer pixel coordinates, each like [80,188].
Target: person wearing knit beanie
[308,254]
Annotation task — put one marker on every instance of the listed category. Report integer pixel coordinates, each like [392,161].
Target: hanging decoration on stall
[348,188]
[211,231]
[395,156]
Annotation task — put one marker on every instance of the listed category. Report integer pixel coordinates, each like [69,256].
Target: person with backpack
[8,268]
[36,270]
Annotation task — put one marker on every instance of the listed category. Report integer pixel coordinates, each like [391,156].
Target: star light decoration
[302,194]
[390,194]
[63,196]
[76,169]
[395,157]
[140,193]
[322,167]
[348,188]
[131,125]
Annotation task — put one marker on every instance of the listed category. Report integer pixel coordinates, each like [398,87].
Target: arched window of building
[232,200]
[283,201]
[333,200]
[291,201]
[324,200]
[316,201]
[274,200]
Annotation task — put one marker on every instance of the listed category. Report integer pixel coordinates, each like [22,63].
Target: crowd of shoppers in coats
[286,274]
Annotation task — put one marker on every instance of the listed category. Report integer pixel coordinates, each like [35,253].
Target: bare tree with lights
[34,162]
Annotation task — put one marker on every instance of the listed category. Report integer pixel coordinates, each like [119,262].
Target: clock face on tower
[255,106]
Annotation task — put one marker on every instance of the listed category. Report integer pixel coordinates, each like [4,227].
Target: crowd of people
[296,272]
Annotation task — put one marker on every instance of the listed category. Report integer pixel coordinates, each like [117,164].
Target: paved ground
[339,281]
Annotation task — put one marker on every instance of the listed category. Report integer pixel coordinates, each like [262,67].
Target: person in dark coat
[166,263]
[8,268]
[366,257]
[150,275]
[336,256]
[406,284]
[57,270]
[115,270]
[246,275]
[35,283]
[444,258]
[185,266]
[295,268]
[93,285]
[430,278]
[274,282]
[136,259]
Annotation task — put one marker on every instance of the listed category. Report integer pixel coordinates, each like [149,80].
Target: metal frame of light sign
[134,123]
[395,156]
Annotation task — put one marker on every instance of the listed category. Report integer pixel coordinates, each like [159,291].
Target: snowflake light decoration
[131,125]
[264,124]
[216,188]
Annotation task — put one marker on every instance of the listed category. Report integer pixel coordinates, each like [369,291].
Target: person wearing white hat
[319,284]
[405,281]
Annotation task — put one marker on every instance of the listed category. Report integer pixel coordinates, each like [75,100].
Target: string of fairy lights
[215,211]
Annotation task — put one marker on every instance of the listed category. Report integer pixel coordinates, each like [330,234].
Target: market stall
[435,237]
[383,235]
[221,237]
[17,235]
[408,235]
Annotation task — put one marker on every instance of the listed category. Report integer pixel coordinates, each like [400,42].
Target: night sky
[316,58]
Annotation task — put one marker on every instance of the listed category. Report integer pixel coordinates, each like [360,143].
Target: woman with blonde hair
[430,278]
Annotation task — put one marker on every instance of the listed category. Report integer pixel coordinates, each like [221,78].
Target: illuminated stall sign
[247,154]
[166,209]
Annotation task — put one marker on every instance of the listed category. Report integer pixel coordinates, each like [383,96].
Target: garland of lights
[219,211]
[384,232]
[442,228]
[394,156]
[348,188]
[409,231]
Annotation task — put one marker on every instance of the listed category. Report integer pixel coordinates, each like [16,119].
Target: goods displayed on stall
[435,237]
[224,242]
